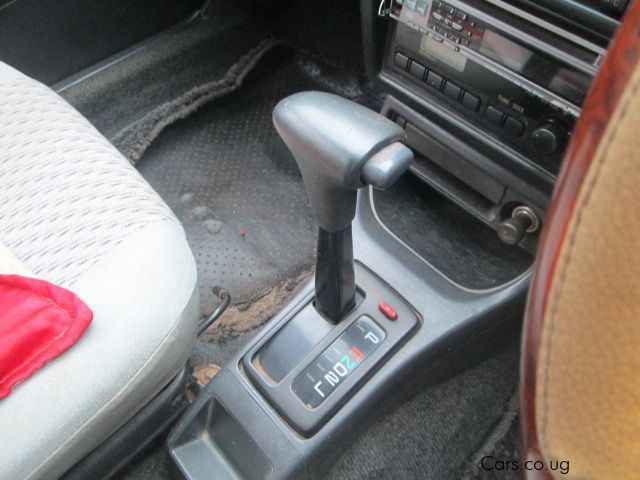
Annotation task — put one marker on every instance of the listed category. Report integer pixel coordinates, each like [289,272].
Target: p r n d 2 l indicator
[338,361]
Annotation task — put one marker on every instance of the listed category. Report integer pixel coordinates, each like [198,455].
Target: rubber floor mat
[235,186]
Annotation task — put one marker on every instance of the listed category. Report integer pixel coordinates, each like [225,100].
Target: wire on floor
[225,297]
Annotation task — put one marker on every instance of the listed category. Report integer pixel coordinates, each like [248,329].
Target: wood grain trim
[604,97]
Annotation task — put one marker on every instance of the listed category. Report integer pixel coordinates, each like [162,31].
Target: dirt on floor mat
[245,316]
[204,373]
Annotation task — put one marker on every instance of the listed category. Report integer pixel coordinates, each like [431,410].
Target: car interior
[290,239]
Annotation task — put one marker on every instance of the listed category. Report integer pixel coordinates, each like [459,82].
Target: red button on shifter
[388,310]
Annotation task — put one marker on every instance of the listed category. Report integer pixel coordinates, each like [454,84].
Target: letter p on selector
[372,337]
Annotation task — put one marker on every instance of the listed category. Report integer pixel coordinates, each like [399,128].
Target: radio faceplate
[526,96]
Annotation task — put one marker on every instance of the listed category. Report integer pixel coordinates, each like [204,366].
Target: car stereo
[516,77]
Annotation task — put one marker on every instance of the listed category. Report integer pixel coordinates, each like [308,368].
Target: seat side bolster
[145,300]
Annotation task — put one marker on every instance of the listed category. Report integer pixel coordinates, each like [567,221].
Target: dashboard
[489,92]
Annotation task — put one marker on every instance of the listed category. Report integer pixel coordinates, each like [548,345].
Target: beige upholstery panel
[588,375]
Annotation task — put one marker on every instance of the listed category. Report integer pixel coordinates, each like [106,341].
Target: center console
[266,415]
[376,325]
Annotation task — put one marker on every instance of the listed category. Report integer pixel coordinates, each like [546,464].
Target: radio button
[470,101]
[493,115]
[434,80]
[452,91]
[417,70]
[401,60]
[513,127]
[549,138]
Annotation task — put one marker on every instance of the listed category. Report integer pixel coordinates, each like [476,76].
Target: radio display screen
[504,51]
[430,48]
[536,67]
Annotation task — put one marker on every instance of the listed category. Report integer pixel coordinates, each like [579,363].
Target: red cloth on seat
[38,322]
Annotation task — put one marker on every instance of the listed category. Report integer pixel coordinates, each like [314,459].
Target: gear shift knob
[333,139]
[339,146]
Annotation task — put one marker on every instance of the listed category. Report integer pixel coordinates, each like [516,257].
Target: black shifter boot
[335,278]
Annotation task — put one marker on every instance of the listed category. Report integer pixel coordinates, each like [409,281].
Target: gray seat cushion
[77,214]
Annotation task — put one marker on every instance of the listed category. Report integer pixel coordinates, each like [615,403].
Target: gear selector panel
[338,361]
[334,363]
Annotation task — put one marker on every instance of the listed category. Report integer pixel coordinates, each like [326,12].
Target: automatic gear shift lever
[339,146]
